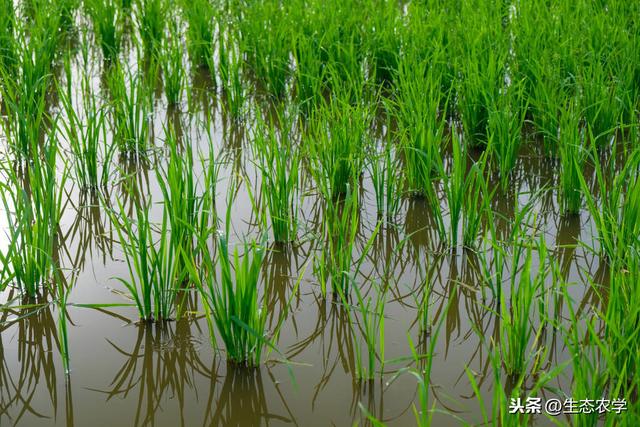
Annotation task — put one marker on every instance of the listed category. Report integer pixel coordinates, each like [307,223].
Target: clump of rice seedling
[32,201]
[105,15]
[8,48]
[572,158]
[480,85]
[387,178]
[171,61]
[181,201]
[86,136]
[232,303]
[516,331]
[504,129]
[231,81]
[130,105]
[600,103]
[154,279]
[547,95]
[466,194]
[200,17]
[617,215]
[279,164]
[264,39]
[336,146]
[151,15]
[25,91]
[421,122]
[336,266]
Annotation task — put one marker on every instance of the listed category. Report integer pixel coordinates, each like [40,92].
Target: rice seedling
[86,136]
[600,103]
[385,170]
[25,90]
[151,16]
[33,204]
[130,108]
[466,195]
[589,375]
[154,279]
[572,158]
[8,48]
[181,199]
[171,60]
[231,82]
[421,122]
[200,16]
[264,41]
[106,16]
[232,303]
[481,83]
[617,214]
[336,265]
[279,163]
[548,94]
[504,129]
[336,146]
[516,330]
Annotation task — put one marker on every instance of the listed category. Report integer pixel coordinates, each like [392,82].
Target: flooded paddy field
[319,213]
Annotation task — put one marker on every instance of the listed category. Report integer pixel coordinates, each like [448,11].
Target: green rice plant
[336,146]
[421,122]
[264,35]
[466,194]
[171,62]
[25,90]
[230,65]
[371,324]
[182,202]
[479,86]
[211,167]
[336,265]
[151,16]
[384,168]
[572,158]
[617,344]
[232,302]
[476,204]
[279,164]
[617,215]
[516,329]
[130,107]
[200,16]
[308,74]
[340,227]
[32,201]
[383,41]
[600,103]
[86,136]
[589,368]
[8,42]
[153,279]
[504,129]
[548,94]
[106,15]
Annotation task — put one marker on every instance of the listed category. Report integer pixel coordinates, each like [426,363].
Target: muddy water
[125,373]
